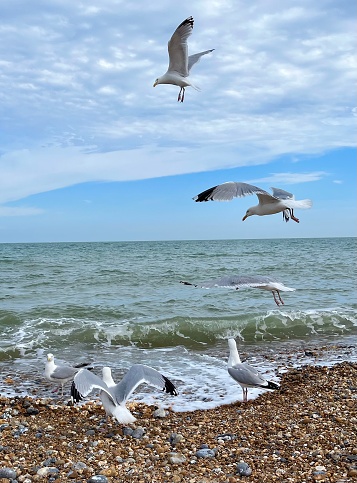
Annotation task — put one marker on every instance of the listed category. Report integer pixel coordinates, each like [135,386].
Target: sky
[90,151]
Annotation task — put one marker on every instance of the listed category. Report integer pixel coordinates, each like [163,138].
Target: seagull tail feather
[272,385]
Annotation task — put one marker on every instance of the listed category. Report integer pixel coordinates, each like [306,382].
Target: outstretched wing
[139,374]
[193,59]
[229,190]
[85,382]
[281,194]
[237,281]
[178,49]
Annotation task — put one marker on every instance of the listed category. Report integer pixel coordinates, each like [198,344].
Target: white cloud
[77,80]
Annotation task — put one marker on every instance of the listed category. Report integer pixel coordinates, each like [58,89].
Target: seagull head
[248,213]
[156,83]
[50,357]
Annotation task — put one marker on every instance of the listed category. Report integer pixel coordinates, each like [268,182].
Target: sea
[121,303]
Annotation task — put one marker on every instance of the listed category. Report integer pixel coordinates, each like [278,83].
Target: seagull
[60,373]
[241,281]
[180,63]
[245,374]
[279,201]
[114,396]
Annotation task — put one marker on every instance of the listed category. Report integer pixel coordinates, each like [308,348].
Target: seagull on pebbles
[114,396]
[180,63]
[279,201]
[245,374]
[61,373]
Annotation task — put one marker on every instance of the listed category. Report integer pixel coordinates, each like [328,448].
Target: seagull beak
[155,83]
[244,217]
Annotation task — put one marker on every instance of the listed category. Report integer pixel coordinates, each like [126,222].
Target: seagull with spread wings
[114,396]
[180,63]
[279,201]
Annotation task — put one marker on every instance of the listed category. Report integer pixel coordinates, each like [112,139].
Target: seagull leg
[183,94]
[275,299]
[245,394]
[294,217]
[179,96]
[281,300]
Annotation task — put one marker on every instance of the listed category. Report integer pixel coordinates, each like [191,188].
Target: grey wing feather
[85,382]
[63,372]
[281,194]
[136,375]
[193,59]
[237,281]
[229,190]
[246,374]
[177,47]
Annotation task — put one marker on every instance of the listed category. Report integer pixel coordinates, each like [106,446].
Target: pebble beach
[304,432]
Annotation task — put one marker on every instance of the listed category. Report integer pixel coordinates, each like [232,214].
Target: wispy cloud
[19,211]
[292,178]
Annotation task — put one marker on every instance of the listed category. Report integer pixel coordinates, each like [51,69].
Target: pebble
[98,479]
[138,433]
[176,458]
[7,473]
[243,469]
[159,413]
[175,438]
[205,453]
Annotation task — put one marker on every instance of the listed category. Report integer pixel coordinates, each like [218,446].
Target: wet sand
[304,432]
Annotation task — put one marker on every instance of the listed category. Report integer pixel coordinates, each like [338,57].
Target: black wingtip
[75,394]
[188,20]
[205,195]
[169,387]
[187,283]
[273,385]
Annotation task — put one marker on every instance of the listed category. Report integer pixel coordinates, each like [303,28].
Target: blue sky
[91,151]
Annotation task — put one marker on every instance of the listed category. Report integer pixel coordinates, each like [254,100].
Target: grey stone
[31,411]
[79,465]
[47,470]
[159,413]
[138,433]
[243,469]
[176,458]
[7,473]
[127,431]
[90,432]
[175,438]
[98,479]
[205,453]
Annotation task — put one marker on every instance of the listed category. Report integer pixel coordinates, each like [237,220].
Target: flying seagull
[180,63]
[114,396]
[241,281]
[279,201]
[61,373]
[245,374]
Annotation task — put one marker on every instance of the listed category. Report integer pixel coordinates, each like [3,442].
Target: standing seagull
[245,374]
[241,281]
[114,396]
[279,201]
[60,373]
[180,63]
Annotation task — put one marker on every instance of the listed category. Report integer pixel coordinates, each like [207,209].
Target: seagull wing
[63,372]
[266,198]
[139,374]
[246,375]
[85,382]
[193,59]
[238,281]
[178,49]
[281,194]
[229,190]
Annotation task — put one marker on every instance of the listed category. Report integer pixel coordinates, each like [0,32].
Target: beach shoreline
[304,432]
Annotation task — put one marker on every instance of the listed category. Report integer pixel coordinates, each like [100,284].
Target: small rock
[7,473]
[352,473]
[138,433]
[127,431]
[98,479]
[175,438]
[205,453]
[90,432]
[79,465]
[159,413]
[47,470]
[243,469]
[176,458]
[32,411]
